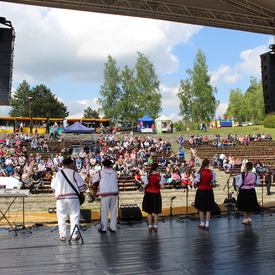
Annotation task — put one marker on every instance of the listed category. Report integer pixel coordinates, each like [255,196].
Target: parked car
[247,123]
[239,124]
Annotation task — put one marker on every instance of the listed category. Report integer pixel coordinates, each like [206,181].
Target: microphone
[173,198]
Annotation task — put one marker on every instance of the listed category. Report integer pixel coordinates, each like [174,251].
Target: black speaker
[129,213]
[268,80]
[216,211]
[6,64]
[85,215]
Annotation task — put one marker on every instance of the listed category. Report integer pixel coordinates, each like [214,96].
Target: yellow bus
[42,125]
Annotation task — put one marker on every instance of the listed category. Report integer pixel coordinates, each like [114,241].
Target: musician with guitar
[68,186]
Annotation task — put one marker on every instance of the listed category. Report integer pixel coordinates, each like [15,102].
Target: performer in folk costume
[108,190]
[67,200]
[204,201]
[247,198]
[152,202]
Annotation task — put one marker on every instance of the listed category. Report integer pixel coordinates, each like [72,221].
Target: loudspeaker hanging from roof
[7,36]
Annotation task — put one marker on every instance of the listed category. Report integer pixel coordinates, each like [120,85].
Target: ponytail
[205,162]
[154,167]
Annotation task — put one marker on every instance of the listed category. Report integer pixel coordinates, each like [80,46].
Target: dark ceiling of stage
[246,15]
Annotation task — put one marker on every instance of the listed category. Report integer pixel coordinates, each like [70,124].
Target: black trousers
[268,185]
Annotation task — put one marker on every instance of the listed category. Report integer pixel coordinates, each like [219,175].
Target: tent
[163,124]
[146,124]
[77,127]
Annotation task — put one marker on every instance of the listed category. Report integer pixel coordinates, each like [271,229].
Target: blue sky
[66,51]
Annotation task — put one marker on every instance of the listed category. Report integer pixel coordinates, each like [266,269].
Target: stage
[179,247]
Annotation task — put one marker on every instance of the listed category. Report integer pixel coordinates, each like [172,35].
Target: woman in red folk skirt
[152,202]
[204,201]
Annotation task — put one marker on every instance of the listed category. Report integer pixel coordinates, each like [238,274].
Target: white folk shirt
[108,182]
[62,188]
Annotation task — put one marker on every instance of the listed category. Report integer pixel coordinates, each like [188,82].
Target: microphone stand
[171,206]
[185,219]
[227,185]
[263,212]
[186,203]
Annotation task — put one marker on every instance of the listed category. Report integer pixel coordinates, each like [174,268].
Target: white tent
[163,124]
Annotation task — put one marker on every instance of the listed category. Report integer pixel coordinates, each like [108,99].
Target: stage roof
[256,16]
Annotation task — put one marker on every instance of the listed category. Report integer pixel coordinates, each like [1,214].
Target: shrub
[269,121]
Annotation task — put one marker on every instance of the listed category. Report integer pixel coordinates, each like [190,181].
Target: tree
[132,93]
[90,113]
[20,102]
[179,126]
[147,85]
[248,106]
[197,100]
[235,107]
[110,90]
[254,100]
[44,103]
[185,102]
[128,108]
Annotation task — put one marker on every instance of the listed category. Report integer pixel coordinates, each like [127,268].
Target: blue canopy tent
[146,124]
[77,127]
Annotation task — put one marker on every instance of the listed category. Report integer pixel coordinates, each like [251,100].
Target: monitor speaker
[216,211]
[268,80]
[6,64]
[129,213]
[85,215]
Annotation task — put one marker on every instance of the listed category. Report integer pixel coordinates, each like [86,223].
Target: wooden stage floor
[179,247]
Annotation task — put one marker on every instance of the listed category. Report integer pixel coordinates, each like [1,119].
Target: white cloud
[54,44]
[224,74]
[4,111]
[169,96]
[251,64]
[76,108]
[76,44]
[175,118]
[221,109]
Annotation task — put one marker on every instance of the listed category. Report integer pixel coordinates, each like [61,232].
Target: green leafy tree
[185,107]
[127,105]
[179,126]
[248,106]
[197,100]
[147,85]
[43,102]
[254,101]
[131,93]
[90,113]
[235,107]
[110,90]
[20,102]
[269,121]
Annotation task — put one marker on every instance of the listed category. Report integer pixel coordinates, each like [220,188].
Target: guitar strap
[76,191]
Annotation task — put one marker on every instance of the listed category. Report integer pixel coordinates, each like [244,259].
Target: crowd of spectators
[131,157]
[230,140]
[230,163]
[29,168]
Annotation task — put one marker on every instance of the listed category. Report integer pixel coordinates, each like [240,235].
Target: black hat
[67,161]
[107,163]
